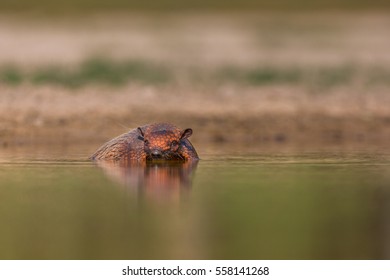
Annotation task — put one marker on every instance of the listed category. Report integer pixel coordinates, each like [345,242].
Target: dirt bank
[218,115]
[234,78]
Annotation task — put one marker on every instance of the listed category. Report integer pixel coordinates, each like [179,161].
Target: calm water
[231,205]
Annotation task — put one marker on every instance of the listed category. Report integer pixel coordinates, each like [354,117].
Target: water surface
[55,204]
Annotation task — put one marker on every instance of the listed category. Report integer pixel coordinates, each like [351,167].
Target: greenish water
[325,205]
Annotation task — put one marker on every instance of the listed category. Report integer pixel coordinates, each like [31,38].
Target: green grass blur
[105,71]
[94,70]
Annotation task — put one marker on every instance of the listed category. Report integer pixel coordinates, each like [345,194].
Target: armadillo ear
[140,131]
[186,133]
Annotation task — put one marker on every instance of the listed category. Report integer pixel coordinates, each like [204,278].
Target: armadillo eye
[146,142]
[174,144]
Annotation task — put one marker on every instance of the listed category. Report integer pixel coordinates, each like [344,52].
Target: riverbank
[248,79]
[218,115]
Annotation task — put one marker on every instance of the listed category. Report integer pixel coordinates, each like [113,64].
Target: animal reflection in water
[160,180]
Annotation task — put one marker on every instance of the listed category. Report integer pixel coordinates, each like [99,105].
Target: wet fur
[130,146]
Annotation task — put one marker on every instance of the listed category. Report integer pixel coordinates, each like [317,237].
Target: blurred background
[268,72]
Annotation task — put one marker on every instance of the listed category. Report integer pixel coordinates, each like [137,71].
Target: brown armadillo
[159,141]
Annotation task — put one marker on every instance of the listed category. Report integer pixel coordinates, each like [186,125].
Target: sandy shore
[353,109]
[227,114]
